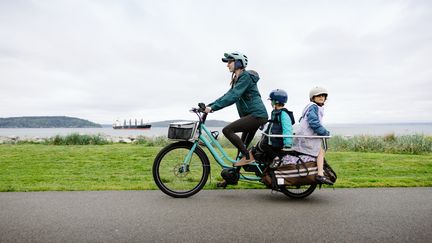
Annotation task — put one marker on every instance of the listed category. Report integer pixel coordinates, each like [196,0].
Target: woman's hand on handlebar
[204,108]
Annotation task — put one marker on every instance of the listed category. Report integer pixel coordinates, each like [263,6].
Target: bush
[159,141]
[411,144]
[77,139]
[406,144]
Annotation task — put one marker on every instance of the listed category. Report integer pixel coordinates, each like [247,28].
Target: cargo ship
[125,125]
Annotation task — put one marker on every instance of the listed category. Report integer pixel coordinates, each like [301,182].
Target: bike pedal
[222,184]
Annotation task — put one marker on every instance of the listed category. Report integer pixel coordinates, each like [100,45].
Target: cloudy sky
[107,60]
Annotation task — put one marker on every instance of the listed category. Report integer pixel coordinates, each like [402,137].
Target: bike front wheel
[179,178]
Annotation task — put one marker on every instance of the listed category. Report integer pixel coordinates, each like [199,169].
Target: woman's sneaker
[245,160]
[323,180]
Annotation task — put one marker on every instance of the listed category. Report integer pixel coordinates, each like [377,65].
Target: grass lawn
[31,167]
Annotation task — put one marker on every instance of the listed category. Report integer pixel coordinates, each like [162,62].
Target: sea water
[335,129]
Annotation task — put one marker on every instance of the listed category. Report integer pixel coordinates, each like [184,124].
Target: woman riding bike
[244,93]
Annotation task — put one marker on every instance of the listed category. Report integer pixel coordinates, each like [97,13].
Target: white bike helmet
[236,56]
[317,91]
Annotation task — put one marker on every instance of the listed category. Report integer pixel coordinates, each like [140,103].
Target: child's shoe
[323,180]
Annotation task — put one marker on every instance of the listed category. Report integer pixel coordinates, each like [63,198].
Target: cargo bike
[181,169]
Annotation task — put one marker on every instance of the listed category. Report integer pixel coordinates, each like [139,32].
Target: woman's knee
[226,131]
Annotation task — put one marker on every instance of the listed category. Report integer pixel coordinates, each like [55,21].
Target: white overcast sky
[107,60]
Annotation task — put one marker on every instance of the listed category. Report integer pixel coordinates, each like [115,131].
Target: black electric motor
[230,175]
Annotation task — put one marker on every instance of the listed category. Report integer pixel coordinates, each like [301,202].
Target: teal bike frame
[218,153]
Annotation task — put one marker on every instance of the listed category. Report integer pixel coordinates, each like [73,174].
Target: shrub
[159,141]
[77,139]
[406,144]
[390,137]
[412,144]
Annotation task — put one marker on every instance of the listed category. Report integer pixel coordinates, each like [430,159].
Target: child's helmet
[236,56]
[280,96]
[317,91]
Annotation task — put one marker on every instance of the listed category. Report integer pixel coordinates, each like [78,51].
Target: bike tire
[200,160]
[296,192]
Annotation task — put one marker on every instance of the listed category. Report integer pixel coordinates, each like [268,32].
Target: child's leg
[320,162]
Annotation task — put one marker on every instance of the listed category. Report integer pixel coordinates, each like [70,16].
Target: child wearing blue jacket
[310,125]
[280,124]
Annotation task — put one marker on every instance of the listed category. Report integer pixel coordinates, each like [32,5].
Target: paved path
[341,215]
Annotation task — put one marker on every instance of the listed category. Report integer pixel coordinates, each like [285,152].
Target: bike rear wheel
[176,178]
[298,191]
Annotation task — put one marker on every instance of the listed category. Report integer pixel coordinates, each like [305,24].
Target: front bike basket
[183,131]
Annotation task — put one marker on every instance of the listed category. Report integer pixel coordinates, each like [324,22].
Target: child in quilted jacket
[310,125]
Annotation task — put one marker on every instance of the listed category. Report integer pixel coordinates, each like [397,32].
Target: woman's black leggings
[247,125]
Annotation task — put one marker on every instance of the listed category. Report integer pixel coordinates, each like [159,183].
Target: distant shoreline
[341,129]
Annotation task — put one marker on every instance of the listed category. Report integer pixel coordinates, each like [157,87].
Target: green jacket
[244,92]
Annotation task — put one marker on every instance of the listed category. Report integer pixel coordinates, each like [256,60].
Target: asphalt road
[341,215]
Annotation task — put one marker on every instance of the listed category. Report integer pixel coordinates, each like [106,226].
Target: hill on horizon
[46,122]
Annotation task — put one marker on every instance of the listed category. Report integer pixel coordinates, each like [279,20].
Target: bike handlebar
[201,108]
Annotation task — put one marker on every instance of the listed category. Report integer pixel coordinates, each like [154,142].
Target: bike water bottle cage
[215,134]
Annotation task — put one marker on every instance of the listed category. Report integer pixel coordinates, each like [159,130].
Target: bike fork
[185,166]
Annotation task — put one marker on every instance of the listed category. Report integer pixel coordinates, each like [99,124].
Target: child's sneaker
[276,162]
